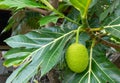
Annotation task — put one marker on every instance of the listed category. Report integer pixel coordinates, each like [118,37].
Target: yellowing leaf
[81,5]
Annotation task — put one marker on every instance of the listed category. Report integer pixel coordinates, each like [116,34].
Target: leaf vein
[103,71]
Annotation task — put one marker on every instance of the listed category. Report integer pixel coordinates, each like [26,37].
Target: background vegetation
[43,29]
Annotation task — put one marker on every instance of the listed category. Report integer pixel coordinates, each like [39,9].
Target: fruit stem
[77,34]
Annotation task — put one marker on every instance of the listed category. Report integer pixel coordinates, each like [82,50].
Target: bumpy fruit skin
[77,57]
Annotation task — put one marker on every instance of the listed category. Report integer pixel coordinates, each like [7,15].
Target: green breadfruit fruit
[77,57]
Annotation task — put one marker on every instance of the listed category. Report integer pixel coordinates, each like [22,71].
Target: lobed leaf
[34,39]
[21,41]
[110,10]
[13,61]
[15,73]
[52,56]
[43,58]
[29,71]
[17,52]
[15,56]
[114,31]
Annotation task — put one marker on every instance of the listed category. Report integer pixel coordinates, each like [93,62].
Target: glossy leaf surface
[20,3]
[114,27]
[42,58]
[81,5]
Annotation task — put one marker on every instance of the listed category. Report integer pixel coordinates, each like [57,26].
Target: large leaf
[45,35]
[28,72]
[13,61]
[47,19]
[34,39]
[33,67]
[21,41]
[3,6]
[114,27]
[52,56]
[110,10]
[81,5]
[44,57]
[102,70]
[115,31]
[15,56]
[20,3]
[15,73]
[109,71]
[17,52]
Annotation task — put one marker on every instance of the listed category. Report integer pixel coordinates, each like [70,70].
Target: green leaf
[83,38]
[21,41]
[35,39]
[27,73]
[17,52]
[114,27]
[110,10]
[33,67]
[115,31]
[3,6]
[15,73]
[48,53]
[82,6]
[15,56]
[45,34]
[47,19]
[107,69]
[13,61]
[52,56]
[9,26]
[20,3]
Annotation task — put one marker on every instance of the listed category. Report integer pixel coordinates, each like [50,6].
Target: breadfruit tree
[69,37]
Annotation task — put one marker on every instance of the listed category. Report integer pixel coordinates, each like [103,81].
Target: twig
[99,38]
[42,11]
[54,3]
[53,77]
[116,46]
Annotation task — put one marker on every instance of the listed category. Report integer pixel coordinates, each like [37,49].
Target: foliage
[91,22]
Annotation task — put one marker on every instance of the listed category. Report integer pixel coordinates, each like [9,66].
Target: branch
[116,46]
[42,11]
[54,3]
[99,38]
[107,43]
[95,29]
[53,76]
